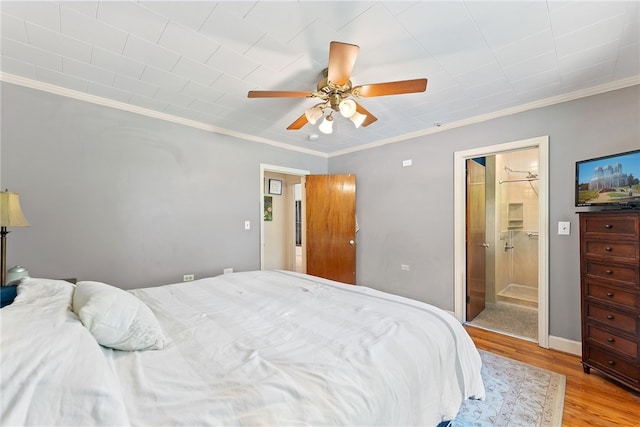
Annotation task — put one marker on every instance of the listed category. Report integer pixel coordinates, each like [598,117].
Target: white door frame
[276,169]
[460,261]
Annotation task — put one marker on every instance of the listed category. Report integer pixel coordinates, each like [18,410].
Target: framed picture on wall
[268,208]
[275,186]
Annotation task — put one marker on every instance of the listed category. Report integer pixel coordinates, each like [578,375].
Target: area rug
[517,394]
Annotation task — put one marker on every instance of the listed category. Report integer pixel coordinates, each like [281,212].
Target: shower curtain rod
[517,180]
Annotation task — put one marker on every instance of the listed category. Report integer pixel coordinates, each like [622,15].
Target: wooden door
[330,222]
[476,247]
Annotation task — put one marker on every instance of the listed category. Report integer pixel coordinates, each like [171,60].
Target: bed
[250,348]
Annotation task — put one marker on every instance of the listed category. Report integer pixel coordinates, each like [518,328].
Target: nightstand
[7,294]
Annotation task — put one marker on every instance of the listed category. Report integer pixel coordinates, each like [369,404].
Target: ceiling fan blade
[278,94]
[370,117]
[300,121]
[342,58]
[390,88]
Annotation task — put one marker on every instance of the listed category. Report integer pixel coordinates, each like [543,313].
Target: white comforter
[255,348]
[279,348]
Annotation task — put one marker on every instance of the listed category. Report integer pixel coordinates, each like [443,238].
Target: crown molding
[583,93]
[83,96]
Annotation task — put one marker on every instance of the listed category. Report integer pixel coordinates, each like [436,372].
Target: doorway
[515,247]
[326,240]
[281,242]
[508,246]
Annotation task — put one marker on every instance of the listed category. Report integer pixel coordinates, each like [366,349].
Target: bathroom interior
[511,203]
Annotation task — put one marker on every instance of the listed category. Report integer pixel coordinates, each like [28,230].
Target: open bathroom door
[476,243]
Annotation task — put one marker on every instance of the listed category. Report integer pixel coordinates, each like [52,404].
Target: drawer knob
[608,249]
[610,316]
[611,363]
[609,271]
[610,294]
[608,226]
[611,339]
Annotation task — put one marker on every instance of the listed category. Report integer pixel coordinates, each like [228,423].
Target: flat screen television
[612,180]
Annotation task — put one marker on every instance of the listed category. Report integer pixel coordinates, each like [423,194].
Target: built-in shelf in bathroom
[516,215]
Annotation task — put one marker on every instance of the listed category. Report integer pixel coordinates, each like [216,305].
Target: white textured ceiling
[197,60]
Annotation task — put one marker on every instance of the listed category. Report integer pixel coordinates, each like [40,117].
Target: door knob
[352,242]
[486,245]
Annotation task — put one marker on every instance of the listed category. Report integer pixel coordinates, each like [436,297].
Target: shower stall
[516,210]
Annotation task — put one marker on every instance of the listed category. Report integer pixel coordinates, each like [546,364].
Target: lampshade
[358,119]
[313,114]
[10,212]
[347,107]
[327,125]
[10,216]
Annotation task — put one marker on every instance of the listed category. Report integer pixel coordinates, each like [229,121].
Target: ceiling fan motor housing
[335,100]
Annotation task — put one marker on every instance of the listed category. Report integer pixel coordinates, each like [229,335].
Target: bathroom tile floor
[510,319]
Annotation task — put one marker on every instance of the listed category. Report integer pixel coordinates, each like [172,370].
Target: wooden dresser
[610,288]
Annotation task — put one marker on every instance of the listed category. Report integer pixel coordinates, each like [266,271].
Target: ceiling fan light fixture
[326,126]
[358,119]
[313,114]
[347,107]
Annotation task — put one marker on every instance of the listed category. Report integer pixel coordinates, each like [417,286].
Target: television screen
[612,180]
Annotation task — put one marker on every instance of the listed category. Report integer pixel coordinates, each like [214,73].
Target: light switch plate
[564,228]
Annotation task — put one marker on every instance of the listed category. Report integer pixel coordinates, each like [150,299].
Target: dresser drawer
[612,340]
[603,225]
[600,358]
[622,275]
[610,290]
[609,294]
[624,322]
[620,251]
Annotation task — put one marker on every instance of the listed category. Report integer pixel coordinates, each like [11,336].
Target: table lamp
[10,216]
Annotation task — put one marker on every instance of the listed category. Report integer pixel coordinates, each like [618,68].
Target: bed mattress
[251,348]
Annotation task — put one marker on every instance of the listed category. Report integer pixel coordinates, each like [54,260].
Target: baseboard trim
[565,345]
[557,343]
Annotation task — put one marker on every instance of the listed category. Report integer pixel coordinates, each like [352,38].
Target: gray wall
[127,199]
[134,201]
[406,214]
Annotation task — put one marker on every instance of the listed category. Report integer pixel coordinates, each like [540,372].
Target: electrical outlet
[227,270]
[187,277]
[564,228]
[404,267]
[406,163]
[247,225]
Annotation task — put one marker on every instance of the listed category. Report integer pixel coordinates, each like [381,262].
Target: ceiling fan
[335,90]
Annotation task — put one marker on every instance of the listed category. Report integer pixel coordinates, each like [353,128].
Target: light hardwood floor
[590,399]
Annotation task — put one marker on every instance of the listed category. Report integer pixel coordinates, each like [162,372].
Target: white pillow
[116,318]
[44,292]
